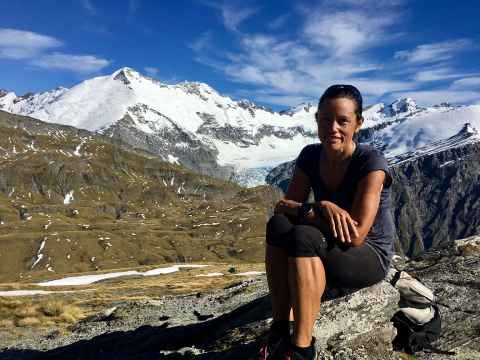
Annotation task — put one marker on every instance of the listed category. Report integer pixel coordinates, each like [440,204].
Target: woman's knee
[306,241]
[278,228]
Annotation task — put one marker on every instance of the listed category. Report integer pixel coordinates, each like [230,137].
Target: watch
[304,209]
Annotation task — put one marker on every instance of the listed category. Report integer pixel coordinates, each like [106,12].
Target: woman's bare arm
[351,228]
[366,203]
[299,187]
[297,193]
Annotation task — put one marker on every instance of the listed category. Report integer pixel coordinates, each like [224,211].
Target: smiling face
[337,123]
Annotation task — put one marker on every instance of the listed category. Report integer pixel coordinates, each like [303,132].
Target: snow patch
[90,279]
[68,198]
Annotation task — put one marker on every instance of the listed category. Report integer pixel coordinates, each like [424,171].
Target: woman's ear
[359,124]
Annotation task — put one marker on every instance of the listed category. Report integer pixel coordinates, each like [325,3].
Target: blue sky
[277,53]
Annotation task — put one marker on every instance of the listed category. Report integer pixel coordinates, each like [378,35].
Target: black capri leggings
[345,266]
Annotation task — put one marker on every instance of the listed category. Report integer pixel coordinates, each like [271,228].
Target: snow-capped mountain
[189,122]
[192,124]
[467,135]
[416,127]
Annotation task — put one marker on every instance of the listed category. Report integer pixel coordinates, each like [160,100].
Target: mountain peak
[125,74]
[468,129]
[403,105]
[305,106]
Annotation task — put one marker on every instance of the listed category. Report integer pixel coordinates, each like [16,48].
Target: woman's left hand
[342,225]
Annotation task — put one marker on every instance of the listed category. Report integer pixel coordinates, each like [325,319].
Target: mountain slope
[180,120]
[75,201]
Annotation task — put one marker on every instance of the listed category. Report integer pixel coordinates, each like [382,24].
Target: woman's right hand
[341,223]
[287,206]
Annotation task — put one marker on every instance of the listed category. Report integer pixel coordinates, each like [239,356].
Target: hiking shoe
[273,346]
[294,353]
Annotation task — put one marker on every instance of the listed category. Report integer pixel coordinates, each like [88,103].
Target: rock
[106,315]
[73,212]
[23,213]
[202,317]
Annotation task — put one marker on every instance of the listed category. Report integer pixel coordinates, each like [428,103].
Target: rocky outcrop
[171,142]
[352,325]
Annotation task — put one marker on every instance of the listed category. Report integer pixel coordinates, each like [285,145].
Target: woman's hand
[341,223]
[286,206]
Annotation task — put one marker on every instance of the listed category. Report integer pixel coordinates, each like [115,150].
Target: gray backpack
[418,320]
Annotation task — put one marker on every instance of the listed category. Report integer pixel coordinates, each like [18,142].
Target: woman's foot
[293,352]
[276,342]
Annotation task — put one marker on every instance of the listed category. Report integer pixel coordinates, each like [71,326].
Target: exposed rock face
[352,325]
[171,143]
[434,192]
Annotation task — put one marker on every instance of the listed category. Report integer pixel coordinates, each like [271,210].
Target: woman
[345,238]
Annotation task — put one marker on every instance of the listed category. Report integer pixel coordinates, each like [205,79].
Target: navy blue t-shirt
[364,160]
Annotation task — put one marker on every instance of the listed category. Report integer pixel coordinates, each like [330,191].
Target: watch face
[304,209]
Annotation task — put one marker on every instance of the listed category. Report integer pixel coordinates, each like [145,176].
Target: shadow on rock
[229,336]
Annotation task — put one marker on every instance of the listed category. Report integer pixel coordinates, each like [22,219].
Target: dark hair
[343,91]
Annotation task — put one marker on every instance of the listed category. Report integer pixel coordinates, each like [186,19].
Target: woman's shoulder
[308,157]
[371,159]
[312,147]
[310,150]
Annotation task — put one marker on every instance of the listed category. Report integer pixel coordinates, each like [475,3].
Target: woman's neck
[333,158]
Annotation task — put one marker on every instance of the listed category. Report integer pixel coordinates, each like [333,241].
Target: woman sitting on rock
[343,239]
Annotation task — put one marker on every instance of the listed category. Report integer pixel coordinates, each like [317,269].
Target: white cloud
[343,33]
[151,71]
[433,97]
[467,82]
[336,44]
[232,15]
[278,22]
[34,49]
[20,44]
[290,71]
[76,63]
[202,42]
[87,5]
[444,73]
[435,52]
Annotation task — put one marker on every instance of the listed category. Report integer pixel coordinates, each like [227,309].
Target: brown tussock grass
[52,308]
[6,323]
[38,313]
[29,321]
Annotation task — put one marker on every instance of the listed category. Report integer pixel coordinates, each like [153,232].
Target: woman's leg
[352,267]
[306,277]
[276,264]
[307,283]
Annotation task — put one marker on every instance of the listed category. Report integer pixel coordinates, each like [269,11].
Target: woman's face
[337,123]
